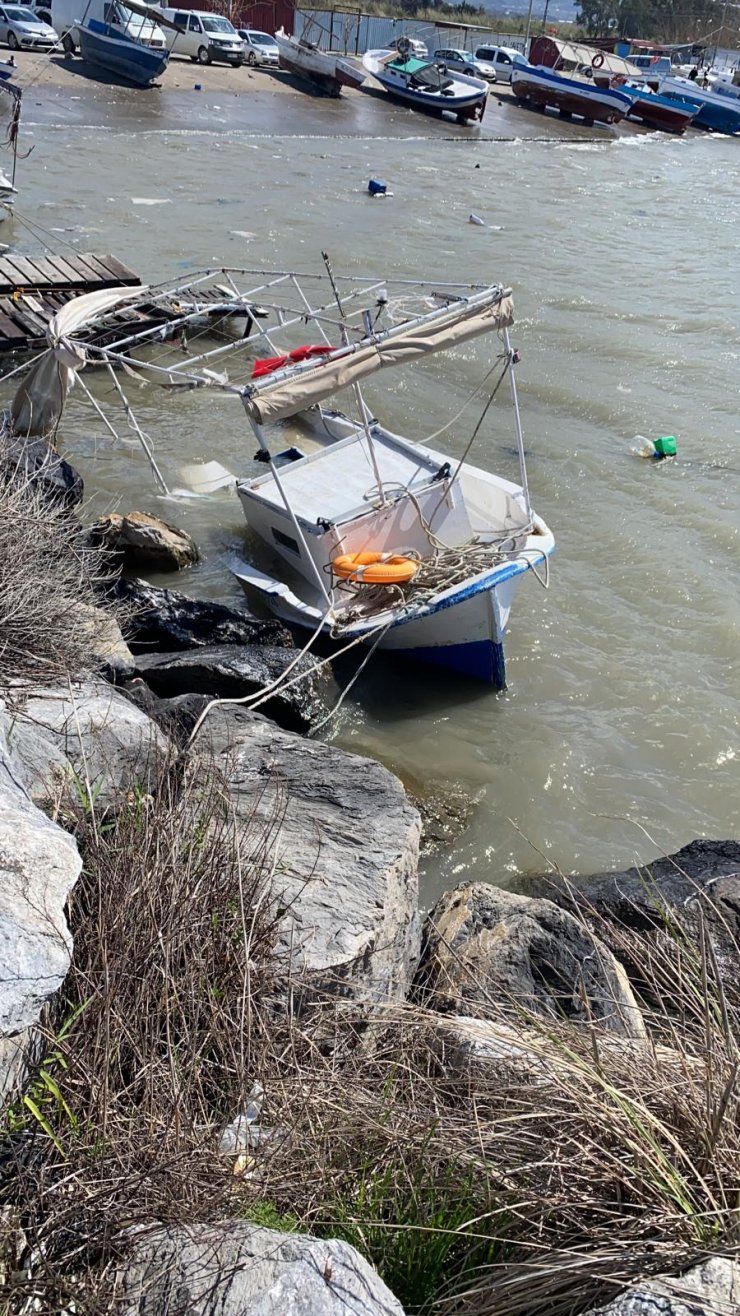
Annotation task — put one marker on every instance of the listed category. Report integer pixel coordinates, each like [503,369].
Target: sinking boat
[657,111]
[541,88]
[326,70]
[717,111]
[425,85]
[360,533]
[127,42]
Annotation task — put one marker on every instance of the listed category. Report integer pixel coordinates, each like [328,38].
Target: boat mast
[513,360]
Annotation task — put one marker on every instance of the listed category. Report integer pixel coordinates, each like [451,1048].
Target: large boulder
[710,1289]
[166,620]
[231,671]
[343,845]
[238,1269]
[114,658]
[142,540]
[86,733]
[36,461]
[39,865]
[485,949]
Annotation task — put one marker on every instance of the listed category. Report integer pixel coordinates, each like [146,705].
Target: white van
[67,15]
[203,36]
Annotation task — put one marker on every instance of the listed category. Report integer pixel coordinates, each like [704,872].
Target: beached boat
[326,70]
[717,111]
[362,534]
[426,85]
[541,87]
[657,111]
[126,42]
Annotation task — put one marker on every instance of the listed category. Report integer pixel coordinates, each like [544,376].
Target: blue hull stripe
[483,660]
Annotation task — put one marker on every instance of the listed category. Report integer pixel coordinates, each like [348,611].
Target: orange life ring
[375,568]
[597,61]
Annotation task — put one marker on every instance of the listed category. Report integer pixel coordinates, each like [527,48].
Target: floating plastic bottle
[655,449]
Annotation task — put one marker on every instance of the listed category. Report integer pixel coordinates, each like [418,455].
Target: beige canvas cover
[288,396]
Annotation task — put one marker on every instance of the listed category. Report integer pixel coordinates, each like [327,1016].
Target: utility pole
[544,16]
[526,34]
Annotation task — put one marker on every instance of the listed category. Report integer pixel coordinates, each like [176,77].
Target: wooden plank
[14,312]
[10,331]
[120,272]
[69,275]
[94,275]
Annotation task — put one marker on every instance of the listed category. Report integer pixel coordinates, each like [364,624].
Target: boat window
[286,542]
[430,76]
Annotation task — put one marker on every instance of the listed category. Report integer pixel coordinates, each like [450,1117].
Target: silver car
[464,62]
[259,48]
[21,29]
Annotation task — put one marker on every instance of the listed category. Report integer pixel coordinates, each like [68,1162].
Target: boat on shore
[425,85]
[717,111]
[359,533]
[126,42]
[542,88]
[657,111]
[323,68]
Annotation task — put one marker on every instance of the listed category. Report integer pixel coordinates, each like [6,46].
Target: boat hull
[544,88]
[323,69]
[663,113]
[717,113]
[114,52]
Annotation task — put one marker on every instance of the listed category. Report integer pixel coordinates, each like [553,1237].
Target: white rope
[333,711]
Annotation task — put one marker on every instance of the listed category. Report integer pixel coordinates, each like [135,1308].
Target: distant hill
[563,11]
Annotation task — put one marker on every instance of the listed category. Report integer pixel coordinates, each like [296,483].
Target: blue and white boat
[717,111]
[657,111]
[542,87]
[126,41]
[425,85]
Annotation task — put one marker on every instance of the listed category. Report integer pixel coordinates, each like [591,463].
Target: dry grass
[46,572]
[537,1181]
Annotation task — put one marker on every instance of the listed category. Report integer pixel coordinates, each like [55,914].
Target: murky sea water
[622,711]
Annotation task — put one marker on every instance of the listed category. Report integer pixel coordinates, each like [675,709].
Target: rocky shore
[240,1071]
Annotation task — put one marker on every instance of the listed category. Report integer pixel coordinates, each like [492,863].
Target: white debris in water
[242,233]
[476,219]
[150,201]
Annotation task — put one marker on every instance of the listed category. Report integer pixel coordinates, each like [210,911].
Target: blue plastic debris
[376,188]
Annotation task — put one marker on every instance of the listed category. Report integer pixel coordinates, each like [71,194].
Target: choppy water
[623,705]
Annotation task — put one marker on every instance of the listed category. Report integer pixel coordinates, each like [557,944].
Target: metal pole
[518,426]
[526,34]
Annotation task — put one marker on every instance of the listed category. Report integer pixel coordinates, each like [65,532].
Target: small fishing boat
[127,42]
[541,87]
[657,111]
[717,111]
[426,85]
[358,533]
[326,70]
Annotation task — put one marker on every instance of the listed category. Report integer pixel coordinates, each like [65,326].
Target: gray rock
[233,671]
[115,660]
[166,620]
[142,540]
[485,948]
[37,461]
[238,1269]
[710,1289]
[39,865]
[88,728]
[345,844]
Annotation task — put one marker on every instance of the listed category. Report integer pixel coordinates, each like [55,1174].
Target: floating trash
[476,219]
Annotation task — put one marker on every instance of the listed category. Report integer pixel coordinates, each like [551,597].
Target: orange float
[375,568]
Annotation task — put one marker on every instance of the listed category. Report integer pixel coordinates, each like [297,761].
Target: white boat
[329,71]
[543,87]
[426,85]
[362,534]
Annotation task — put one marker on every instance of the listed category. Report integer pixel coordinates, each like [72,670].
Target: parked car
[410,46]
[259,48]
[502,60]
[205,37]
[21,29]
[465,62]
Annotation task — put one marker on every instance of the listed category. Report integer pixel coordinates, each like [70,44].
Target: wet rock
[166,620]
[145,541]
[343,842]
[86,731]
[485,948]
[176,717]
[38,462]
[233,671]
[236,1268]
[710,1289]
[39,865]
[445,810]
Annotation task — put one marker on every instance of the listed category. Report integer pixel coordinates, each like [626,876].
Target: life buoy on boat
[375,568]
[597,61]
